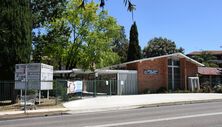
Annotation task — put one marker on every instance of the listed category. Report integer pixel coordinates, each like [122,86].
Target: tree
[206,58]
[134,51]
[220,70]
[128,3]
[130,6]
[160,46]
[51,47]
[46,10]
[120,45]
[97,51]
[87,40]
[15,42]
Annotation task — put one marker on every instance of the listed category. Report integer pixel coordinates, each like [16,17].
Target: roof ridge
[156,57]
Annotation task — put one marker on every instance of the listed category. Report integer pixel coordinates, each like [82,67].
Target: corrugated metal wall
[127,83]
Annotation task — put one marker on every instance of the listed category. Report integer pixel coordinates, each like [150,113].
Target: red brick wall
[188,69]
[192,69]
[161,79]
[152,81]
[132,66]
[183,72]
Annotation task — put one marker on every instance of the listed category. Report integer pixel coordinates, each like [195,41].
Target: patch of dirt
[44,104]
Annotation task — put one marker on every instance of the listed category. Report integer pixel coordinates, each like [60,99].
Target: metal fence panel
[38,99]
[127,83]
[6,90]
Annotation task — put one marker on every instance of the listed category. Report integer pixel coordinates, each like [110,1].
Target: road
[189,115]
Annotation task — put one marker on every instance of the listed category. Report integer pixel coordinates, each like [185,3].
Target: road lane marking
[157,120]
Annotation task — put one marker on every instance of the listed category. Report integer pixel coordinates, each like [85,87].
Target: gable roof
[179,55]
[209,71]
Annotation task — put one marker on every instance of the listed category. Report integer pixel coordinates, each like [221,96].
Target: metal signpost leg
[26,85]
[20,93]
[25,101]
[39,96]
[47,94]
[95,88]
[56,84]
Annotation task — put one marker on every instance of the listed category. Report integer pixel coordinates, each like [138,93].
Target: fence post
[82,88]
[110,88]
[94,88]
[26,85]
[56,94]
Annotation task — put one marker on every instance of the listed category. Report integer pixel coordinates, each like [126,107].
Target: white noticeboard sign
[34,76]
[20,72]
[74,86]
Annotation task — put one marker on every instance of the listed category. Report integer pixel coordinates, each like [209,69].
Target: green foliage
[51,48]
[15,38]
[79,38]
[206,58]
[148,91]
[130,6]
[120,46]
[60,90]
[151,91]
[160,46]
[205,88]
[98,41]
[134,51]
[31,92]
[220,70]
[218,88]
[45,10]
[162,90]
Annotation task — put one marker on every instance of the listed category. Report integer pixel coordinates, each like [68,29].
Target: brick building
[216,53]
[168,71]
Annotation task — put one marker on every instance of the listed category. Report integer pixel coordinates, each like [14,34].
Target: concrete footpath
[137,101]
[106,103]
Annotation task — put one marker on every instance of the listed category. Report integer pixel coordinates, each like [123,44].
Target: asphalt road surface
[189,115]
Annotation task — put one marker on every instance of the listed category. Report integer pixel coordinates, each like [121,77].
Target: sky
[191,24]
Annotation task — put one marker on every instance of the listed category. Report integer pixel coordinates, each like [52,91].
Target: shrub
[180,91]
[149,91]
[60,90]
[218,88]
[205,89]
[162,90]
[31,92]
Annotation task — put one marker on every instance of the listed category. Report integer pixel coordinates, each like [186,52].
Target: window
[173,74]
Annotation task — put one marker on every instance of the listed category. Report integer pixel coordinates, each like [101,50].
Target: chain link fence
[7,95]
[15,100]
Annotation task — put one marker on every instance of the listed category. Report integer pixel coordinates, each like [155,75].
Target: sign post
[26,85]
[35,76]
